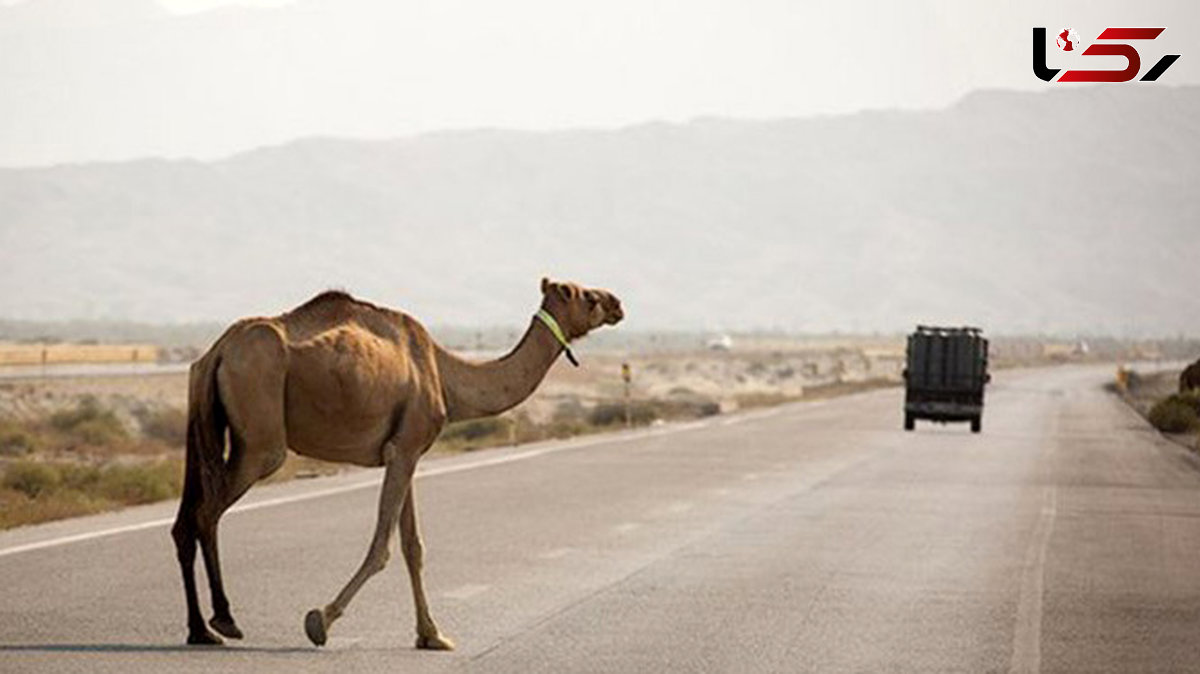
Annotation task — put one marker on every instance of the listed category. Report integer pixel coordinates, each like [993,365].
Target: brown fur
[344,380]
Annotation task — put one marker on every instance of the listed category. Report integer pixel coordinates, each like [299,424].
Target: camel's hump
[339,298]
[330,296]
[333,308]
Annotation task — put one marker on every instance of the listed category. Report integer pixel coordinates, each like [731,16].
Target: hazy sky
[83,80]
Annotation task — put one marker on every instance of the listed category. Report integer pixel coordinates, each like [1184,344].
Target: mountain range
[1066,211]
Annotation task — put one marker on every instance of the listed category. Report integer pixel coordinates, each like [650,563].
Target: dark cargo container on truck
[945,376]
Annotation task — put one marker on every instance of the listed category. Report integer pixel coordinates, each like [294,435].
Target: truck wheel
[909,422]
[976,424]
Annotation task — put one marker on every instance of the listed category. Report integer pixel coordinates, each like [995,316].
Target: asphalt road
[815,537]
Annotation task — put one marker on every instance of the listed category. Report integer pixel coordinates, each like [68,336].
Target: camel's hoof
[436,642]
[203,637]
[314,627]
[226,627]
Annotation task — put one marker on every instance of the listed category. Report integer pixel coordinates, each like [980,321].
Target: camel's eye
[592,298]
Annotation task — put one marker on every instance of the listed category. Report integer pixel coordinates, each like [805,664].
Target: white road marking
[1027,635]
[626,527]
[466,591]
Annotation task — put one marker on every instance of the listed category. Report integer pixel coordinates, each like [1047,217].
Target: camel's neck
[475,390]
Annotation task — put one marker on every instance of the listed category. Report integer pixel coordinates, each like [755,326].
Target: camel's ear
[545,285]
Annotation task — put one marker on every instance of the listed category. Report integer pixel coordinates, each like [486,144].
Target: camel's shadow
[147,648]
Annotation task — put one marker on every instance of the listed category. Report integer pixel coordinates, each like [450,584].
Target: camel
[343,380]
[1189,379]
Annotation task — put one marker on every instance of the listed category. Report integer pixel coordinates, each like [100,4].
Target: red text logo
[1110,42]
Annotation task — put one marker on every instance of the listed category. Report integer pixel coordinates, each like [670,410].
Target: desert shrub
[32,478]
[100,432]
[16,441]
[687,408]
[1176,413]
[704,408]
[67,419]
[641,413]
[477,429]
[79,477]
[645,412]
[141,483]
[607,414]
[16,509]
[167,424]
[555,430]
[569,411]
[89,422]
[116,483]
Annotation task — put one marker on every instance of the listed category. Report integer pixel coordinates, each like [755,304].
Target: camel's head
[580,310]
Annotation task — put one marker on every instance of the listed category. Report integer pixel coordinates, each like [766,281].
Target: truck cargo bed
[945,375]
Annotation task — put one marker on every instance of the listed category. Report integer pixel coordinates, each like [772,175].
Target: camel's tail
[205,458]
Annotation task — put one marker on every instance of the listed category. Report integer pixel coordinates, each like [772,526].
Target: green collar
[545,317]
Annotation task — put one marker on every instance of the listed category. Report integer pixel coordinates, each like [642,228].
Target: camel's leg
[251,380]
[428,635]
[397,478]
[184,533]
[243,473]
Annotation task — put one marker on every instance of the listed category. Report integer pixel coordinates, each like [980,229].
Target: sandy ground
[24,400]
[726,377]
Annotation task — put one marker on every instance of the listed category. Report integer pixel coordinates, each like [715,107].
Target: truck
[945,374]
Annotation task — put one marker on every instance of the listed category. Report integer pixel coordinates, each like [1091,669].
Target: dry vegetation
[1156,397]
[1177,413]
[83,458]
[76,446]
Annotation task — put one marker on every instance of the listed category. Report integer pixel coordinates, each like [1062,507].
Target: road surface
[814,537]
